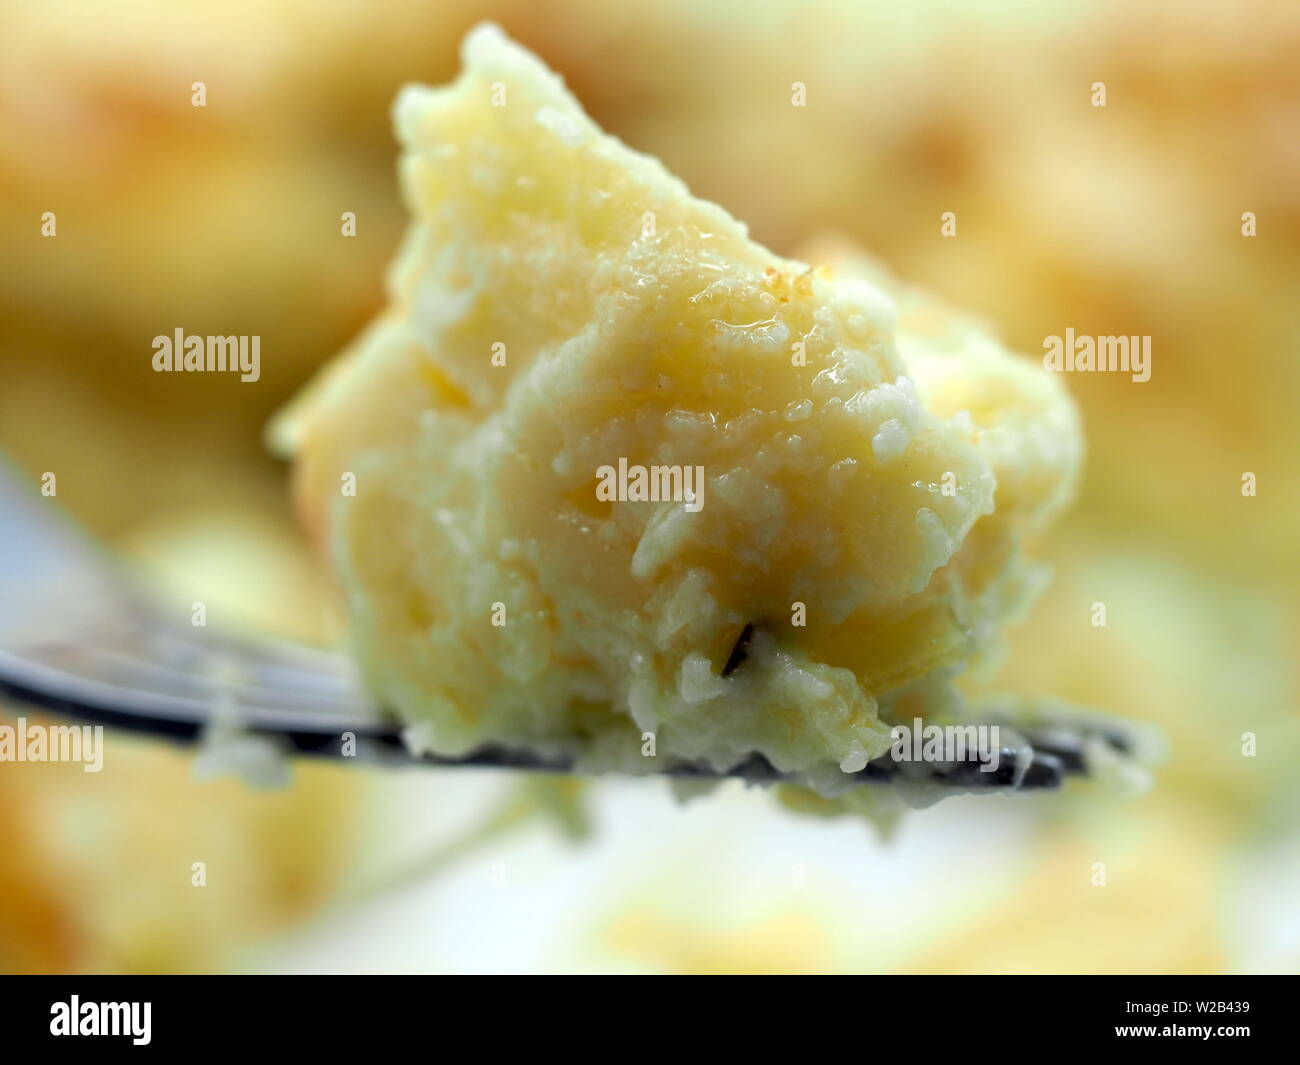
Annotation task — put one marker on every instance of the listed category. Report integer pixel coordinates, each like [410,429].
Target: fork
[79,639]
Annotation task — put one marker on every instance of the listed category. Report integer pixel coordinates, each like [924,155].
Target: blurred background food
[1123,219]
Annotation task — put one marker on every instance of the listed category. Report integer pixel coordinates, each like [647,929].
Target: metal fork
[77,638]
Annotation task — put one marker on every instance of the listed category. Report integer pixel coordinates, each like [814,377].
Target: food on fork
[609,481]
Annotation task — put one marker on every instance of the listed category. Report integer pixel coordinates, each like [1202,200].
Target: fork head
[78,638]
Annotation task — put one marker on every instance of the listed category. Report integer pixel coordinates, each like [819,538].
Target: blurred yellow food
[98,868]
[792,941]
[1146,900]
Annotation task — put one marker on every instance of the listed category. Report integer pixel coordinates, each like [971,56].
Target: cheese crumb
[865,491]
